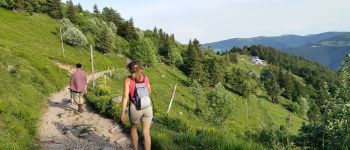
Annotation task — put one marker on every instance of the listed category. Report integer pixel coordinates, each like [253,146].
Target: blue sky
[213,20]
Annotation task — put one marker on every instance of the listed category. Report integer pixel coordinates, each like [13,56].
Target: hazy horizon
[211,21]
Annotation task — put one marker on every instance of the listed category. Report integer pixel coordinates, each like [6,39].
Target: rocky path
[62,128]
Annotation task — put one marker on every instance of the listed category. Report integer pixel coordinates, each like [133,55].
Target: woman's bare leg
[146,135]
[134,136]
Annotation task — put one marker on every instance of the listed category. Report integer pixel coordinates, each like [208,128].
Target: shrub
[102,90]
[219,104]
[272,137]
[3,3]
[65,24]
[292,107]
[88,26]
[74,37]
[175,124]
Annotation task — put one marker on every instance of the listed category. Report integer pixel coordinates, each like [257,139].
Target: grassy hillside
[28,44]
[182,128]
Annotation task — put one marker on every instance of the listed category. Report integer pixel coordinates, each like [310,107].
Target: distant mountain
[327,48]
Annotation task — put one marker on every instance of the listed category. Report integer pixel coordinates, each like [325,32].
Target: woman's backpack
[141,99]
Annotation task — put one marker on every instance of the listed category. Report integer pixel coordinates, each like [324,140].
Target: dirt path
[62,128]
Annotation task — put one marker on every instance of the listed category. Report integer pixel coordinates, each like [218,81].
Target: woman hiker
[140,110]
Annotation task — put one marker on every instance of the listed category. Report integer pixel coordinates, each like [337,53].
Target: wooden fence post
[171,99]
[92,66]
[62,42]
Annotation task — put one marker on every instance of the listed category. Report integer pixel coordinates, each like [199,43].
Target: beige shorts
[76,95]
[144,115]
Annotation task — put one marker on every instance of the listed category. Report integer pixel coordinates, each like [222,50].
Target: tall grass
[28,44]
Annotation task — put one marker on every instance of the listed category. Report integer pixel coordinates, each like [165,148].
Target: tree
[270,82]
[80,8]
[198,93]
[143,50]
[96,11]
[192,56]
[111,15]
[314,112]
[127,30]
[214,69]
[71,12]
[220,105]
[54,9]
[198,73]
[304,105]
[332,131]
[239,82]
[174,56]
[233,57]
[285,80]
[105,40]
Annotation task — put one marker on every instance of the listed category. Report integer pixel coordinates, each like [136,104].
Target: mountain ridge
[298,45]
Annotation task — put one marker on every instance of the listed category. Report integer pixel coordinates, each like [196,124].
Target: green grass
[28,44]
[183,129]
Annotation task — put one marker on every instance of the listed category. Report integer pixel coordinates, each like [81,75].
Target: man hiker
[78,86]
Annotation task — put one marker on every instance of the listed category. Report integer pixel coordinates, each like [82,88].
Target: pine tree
[197,48]
[144,51]
[71,12]
[188,58]
[285,80]
[214,70]
[54,9]
[270,80]
[105,40]
[155,30]
[96,11]
[239,82]
[80,8]
[127,30]
[111,15]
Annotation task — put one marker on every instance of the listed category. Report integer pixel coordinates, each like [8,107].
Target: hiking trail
[62,127]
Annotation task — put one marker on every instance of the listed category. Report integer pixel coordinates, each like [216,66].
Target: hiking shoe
[80,108]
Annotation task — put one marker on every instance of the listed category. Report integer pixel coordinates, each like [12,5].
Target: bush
[65,24]
[272,137]
[74,37]
[292,107]
[3,3]
[102,90]
[219,104]
[101,99]
[175,124]
[88,26]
